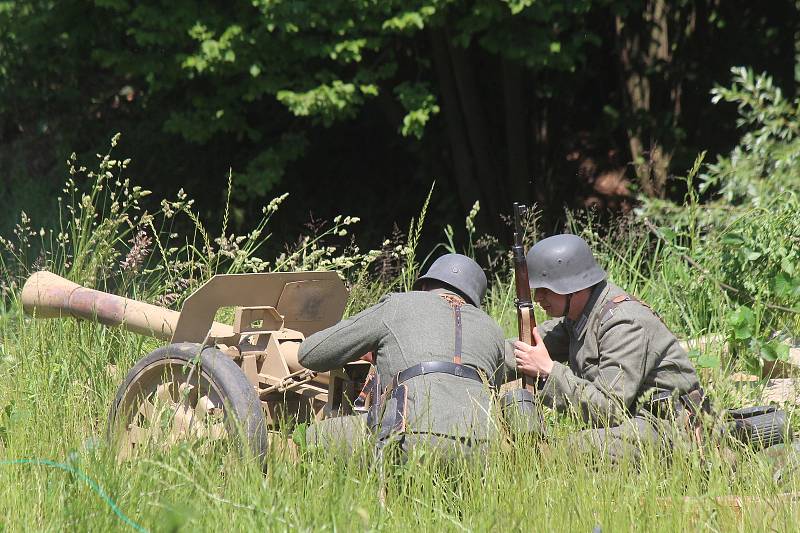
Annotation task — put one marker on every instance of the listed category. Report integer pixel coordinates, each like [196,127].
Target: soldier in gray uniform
[435,351]
[606,357]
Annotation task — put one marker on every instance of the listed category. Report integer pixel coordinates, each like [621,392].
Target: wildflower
[273,205]
[470,222]
[140,248]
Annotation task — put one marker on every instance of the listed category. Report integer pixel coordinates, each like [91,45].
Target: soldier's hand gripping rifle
[526,320]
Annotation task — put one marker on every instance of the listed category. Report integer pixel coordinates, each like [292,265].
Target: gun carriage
[216,380]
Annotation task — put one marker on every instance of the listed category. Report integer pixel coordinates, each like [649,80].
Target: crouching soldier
[437,355]
[606,356]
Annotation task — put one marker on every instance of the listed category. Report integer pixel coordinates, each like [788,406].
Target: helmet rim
[460,272]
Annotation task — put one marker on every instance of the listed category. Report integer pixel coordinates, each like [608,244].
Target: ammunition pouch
[393,419]
[660,405]
[520,412]
[369,393]
[686,409]
[759,427]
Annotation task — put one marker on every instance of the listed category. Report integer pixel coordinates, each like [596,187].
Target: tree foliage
[291,94]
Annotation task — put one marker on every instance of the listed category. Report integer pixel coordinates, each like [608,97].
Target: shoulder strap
[608,309]
[457,352]
[455,302]
[610,306]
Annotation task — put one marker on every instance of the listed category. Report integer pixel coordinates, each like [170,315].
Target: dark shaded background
[552,127]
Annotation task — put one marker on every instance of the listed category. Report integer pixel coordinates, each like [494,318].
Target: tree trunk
[541,173]
[463,168]
[651,86]
[489,178]
[467,129]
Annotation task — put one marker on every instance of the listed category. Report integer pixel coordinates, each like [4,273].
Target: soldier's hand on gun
[534,360]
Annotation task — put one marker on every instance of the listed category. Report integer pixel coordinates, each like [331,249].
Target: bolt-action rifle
[526,320]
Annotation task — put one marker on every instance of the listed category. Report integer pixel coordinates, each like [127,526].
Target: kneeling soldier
[435,352]
[607,356]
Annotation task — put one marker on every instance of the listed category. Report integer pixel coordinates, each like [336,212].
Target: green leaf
[742,333]
[409,21]
[787,266]
[732,239]
[768,352]
[782,351]
[420,103]
[517,6]
[742,317]
[299,436]
[782,285]
[668,233]
[328,101]
[751,255]
[708,361]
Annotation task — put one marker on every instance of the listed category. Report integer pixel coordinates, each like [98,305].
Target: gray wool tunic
[404,329]
[607,363]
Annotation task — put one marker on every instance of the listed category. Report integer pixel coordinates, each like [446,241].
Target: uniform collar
[442,291]
[445,292]
[579,326]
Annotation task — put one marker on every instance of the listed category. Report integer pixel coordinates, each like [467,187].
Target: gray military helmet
[460,272]
[564,264]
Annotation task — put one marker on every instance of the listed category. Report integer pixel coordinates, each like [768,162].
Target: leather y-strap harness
[455,368]
[394,401]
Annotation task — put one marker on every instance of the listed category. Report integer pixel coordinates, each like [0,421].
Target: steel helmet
[564,264]
[461,273]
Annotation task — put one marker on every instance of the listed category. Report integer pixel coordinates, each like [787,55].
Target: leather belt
[438,367]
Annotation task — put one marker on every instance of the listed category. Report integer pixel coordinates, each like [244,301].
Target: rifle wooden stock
[526,321]
[521,278]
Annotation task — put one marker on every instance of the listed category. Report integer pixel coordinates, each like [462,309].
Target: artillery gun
[215,380]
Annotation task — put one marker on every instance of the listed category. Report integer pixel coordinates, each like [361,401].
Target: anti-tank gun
[214,380]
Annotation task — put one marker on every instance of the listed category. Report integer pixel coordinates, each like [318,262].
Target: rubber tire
[242,409]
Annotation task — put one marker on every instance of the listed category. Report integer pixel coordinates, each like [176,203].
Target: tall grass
[59,377]
[58,385]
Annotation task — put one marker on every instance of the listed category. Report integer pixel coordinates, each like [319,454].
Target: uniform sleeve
[346,341]
[622,366]
[508,370]
[555,337]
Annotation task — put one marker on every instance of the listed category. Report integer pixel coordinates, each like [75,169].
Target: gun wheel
[168,398]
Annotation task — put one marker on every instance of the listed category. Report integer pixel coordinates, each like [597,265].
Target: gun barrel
[46,295]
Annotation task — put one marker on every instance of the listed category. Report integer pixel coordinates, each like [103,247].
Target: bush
[767,160]
[744,241]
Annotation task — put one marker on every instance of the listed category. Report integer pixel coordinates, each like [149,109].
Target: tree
[497,100]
